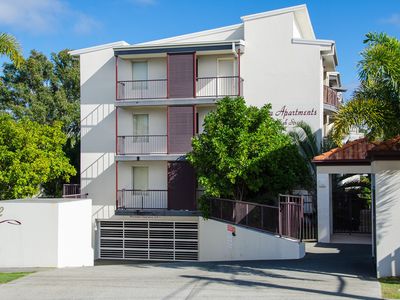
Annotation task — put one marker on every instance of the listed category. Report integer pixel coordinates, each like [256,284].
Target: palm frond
[377,117]
[10,47]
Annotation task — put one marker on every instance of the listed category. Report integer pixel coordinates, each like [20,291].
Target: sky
[52,25]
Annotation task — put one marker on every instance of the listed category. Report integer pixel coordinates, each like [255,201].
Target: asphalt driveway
[327,272]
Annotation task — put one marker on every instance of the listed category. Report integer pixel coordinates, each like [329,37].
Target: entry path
[327,272]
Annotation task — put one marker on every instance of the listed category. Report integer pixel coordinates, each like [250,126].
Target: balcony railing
[219,86]
[157,88]
[331,97]
[72,191]
[142,89]
[142,144]
[142,199]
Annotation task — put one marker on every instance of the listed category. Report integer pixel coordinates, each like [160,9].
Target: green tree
[46,91]
[375,106]
[10,47]
[244,151]
[309,146]
[30,154]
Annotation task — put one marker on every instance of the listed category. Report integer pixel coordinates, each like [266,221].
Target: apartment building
[141,104]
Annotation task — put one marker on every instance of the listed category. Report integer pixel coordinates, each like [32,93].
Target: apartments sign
[290,116]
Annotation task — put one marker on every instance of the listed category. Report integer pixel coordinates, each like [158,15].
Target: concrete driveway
[327,272]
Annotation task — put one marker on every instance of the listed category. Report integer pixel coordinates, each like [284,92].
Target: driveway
[327,272]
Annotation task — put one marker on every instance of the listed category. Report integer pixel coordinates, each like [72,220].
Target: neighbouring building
[141,104]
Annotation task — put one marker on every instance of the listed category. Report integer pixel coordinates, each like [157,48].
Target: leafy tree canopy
[30,154]
[375,106]
[243,151]
[46,91]
[43,90]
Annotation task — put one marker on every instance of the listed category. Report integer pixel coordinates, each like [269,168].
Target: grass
[7,277]
[390,287]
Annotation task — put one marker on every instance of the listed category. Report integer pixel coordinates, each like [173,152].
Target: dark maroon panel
[180,75]
[181,186]
[180,129]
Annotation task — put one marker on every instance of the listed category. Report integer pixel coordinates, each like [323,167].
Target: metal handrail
[142,80]
[246,202]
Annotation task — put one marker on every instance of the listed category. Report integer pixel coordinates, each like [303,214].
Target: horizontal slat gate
[148,240]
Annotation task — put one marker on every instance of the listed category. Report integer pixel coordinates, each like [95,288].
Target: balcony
[142,89]
[211,87]
[142,144]
[331,97]
[142,199]
[219,86]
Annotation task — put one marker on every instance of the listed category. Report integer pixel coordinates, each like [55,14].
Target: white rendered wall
[158,179]
[202,112]
[387,187]
[157,120]
[282,73]
[208,64]
[53,233]
[217,244]
[324,205]
[156,67]
[97,70]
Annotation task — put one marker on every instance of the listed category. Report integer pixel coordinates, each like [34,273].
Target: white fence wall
[52,233]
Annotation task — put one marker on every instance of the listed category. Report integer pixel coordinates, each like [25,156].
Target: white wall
[53,233]
[157,120]
[324,205]
[387,187]
[157,174]
[217,244]
[97,70]
[208,64]
[157,68]
[202,111]
[282,73]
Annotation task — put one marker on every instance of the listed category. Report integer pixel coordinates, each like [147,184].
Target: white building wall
[324,206]
[157,120]
[282,73]
[202,113]
[97,70]
[216,243]
[208,64]
[387,197]
[158,179]
[157,68]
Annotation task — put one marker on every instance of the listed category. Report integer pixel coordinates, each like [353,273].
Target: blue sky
[53,25]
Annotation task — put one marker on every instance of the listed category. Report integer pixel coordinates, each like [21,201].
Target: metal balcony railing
[142,199]
[142,144]
[219,86]
[331,97]
[142,89]
[72,191]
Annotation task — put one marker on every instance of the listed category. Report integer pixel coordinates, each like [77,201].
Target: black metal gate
[350,213]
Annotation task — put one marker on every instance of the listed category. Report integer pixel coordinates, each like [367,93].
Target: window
[141,128]
[140,178]
[139,75]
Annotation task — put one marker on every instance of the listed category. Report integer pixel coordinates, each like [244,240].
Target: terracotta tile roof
[359,151]
[352,151]
[392,145]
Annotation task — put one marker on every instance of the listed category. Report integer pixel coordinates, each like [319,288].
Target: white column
[324,208]
[387,186]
